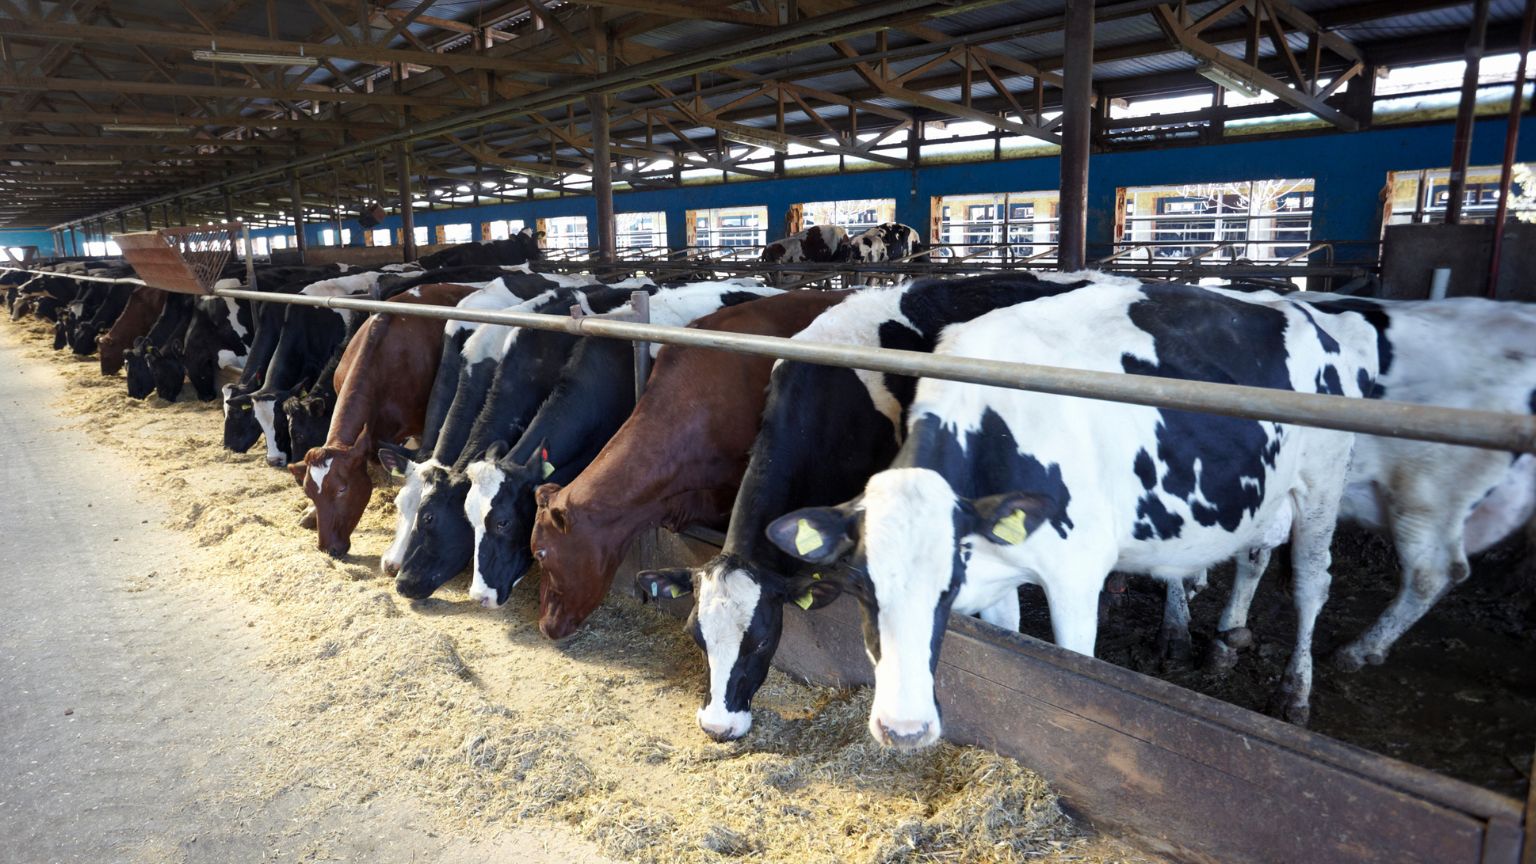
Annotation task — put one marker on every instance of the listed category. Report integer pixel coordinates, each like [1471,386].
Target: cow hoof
[1222,659]
[1174,647]
[1289,707]
[1238,637]
[308,520]
[1346,660]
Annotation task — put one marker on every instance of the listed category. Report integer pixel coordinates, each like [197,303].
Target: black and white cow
[113,300]
[589,402]
[520,248]
[817,244]
[474,357]
[825,431]
[218,336]
[1439,503]
[891,241]
[996,488]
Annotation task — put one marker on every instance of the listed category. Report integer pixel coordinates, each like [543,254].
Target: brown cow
[144,307]
[384,380]
[676,461]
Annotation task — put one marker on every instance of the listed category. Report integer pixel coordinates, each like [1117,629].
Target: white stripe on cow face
[227,390]
[407,502]
[317,474]
[485,481]
[909,539]
[725,604]
[266,417]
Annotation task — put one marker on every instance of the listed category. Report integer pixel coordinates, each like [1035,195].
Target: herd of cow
[920,498]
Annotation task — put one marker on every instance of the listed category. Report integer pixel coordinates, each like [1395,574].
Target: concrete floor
[129,705]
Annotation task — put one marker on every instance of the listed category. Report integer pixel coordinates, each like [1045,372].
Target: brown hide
[676,461]
[384,379]
[144,306]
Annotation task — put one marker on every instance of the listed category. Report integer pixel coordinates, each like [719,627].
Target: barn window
[1422,196]
[462,232]
[565,232]
[1264,221]
[857,216]
[328,237]
[379,237]
[502,229]
[1002,226]
[641,235]
[420,234]
[728,230]
[261,246]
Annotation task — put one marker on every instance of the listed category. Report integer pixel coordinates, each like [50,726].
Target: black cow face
[170,372]
[309,420]
[61,330]
[241,430]
[441,544]
[501,509]
[83,340]
[141,375]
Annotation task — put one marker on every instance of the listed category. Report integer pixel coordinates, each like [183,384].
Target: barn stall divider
[1187,775]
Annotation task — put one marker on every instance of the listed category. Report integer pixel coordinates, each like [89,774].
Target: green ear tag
[804,601]
[674,592]
[1010,529]
[548,470]
[807,539]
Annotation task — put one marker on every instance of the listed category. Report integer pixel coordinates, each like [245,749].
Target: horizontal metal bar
[1487,429]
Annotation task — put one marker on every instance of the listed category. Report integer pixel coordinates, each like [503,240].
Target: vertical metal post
[1511,137]
[250,258]
[229,206]
[1461,150]
[1076,134]
[295,194]
[602,178]
[74,242]
[149,219]
[407,214]
[640,301]
[181,212]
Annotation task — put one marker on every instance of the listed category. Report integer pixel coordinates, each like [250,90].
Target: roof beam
[247,121]
[158,88]
[374,54]
[689,12]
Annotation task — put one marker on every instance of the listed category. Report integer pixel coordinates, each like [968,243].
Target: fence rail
[1487,429]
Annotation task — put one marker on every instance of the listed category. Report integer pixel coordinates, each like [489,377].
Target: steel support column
[1466,112]
[407,213]
[1076,134]
[602,178]
[1511,138]
[296,197]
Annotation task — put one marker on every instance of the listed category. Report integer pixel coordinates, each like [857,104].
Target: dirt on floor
[478,715]
[1457,694]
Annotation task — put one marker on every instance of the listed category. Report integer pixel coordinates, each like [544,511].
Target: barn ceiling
[107,114]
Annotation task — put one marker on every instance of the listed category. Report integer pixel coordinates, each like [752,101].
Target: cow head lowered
[141,374]
[309,420]
[335,477]
[501,509]
[437,544]
[906,544]
[557,544]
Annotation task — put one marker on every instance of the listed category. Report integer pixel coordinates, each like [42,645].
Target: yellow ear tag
[807,539]
[548,470]
[1010,529]
[804,601]
[674,592]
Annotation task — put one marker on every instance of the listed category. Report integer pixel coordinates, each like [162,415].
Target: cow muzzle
[904,734]
[722,725]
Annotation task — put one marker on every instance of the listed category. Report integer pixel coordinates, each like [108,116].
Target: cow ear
[1008,519]
[394,458]
[819,535]
[546,493]
[297,469]
[814,591]
[673,582]
[497,450]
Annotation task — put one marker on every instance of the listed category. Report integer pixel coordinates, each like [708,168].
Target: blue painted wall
[1350,170]
[40,238]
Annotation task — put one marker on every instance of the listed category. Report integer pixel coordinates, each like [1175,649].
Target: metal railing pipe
[1487,429]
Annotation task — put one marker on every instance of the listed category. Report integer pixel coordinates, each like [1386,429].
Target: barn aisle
[132,709]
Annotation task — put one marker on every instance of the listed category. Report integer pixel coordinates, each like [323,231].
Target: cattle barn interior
[358,430]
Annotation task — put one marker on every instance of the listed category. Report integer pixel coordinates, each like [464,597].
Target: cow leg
[1173,641]
[1311,556]
[1004,613]
[1433,560]
[1073,598]
[1232,633]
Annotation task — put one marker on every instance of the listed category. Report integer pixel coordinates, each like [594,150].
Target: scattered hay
[476,714]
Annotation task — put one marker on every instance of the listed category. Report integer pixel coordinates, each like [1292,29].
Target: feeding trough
[183,260]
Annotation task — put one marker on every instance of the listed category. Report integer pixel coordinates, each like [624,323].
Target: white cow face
[902,544]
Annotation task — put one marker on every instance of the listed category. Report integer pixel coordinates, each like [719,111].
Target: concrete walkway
[128,704]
